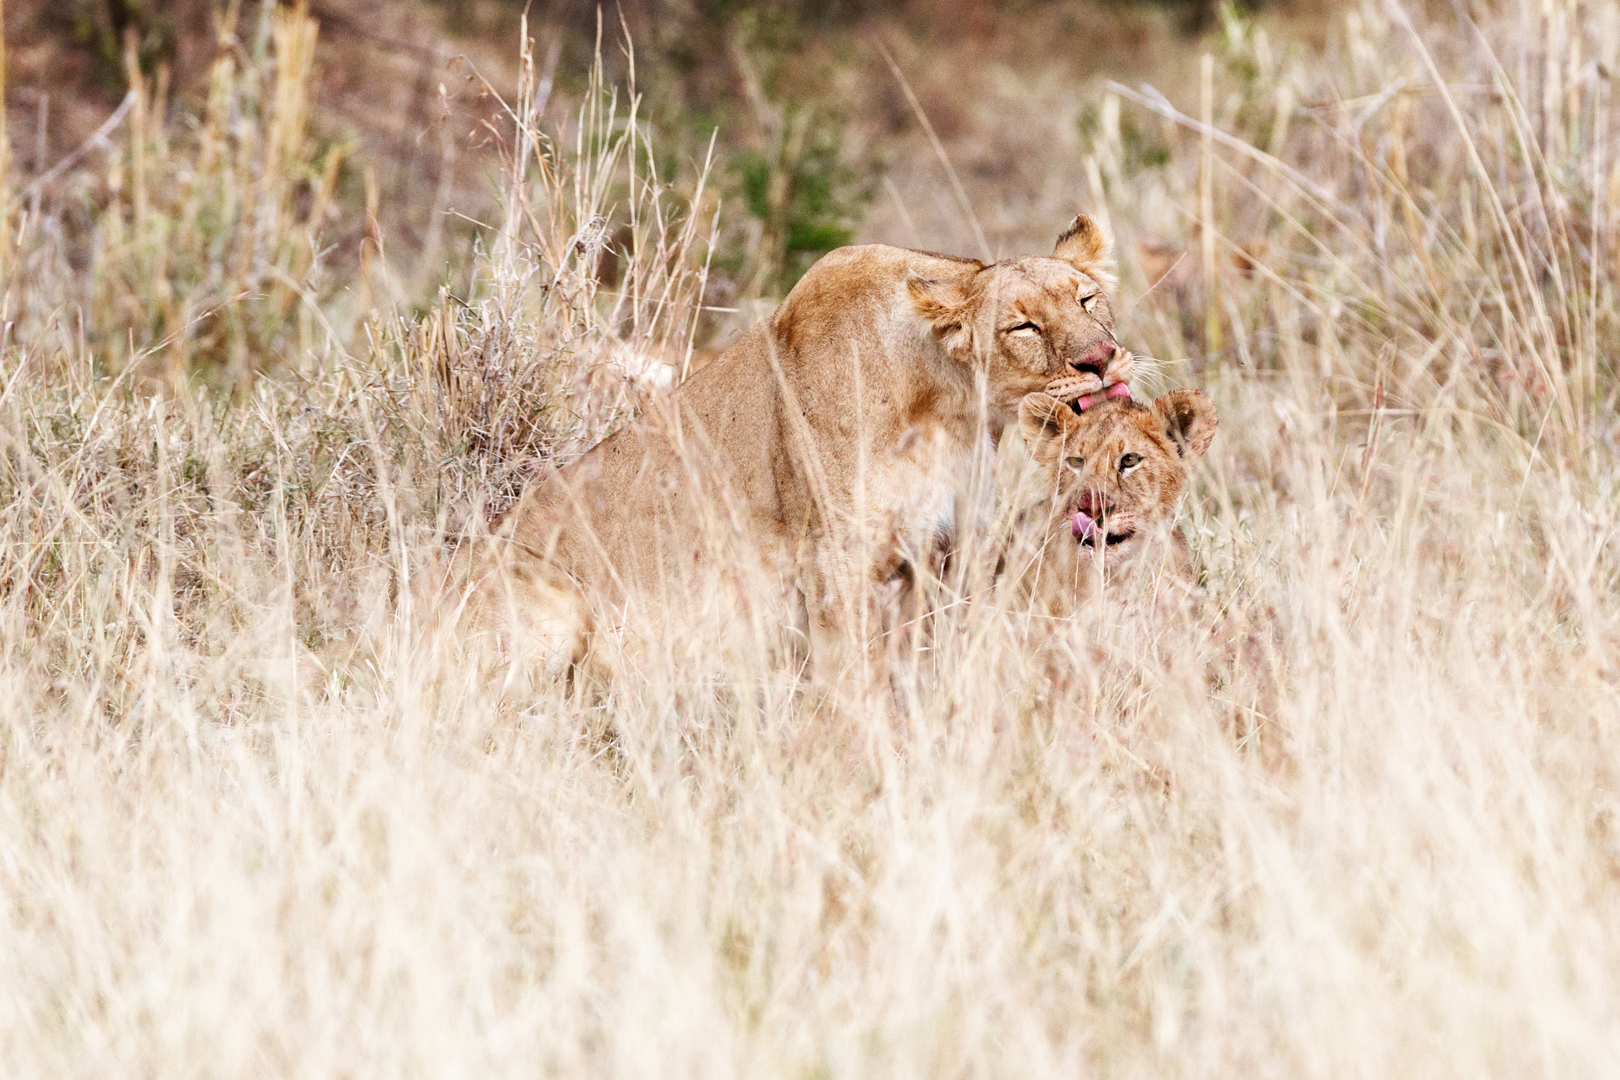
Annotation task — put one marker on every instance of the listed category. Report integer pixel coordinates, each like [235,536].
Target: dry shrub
[194,250]
[1353,814]
[547,357]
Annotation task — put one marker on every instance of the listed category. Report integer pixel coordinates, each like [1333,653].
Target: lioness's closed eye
[1113,477]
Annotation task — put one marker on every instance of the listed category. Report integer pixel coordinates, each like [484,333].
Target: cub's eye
[1023,328]
[1089,301]
[1076,462]
[1129,461]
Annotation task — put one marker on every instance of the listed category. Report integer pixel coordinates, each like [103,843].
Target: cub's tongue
[1086,401]
[1081,525]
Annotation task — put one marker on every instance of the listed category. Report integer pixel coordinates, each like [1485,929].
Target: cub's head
[1030,321]
[1118,468]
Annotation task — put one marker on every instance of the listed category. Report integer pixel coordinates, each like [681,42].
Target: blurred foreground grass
[1355,816]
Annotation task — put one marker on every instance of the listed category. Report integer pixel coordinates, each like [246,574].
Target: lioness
[1115,474]
[836,435]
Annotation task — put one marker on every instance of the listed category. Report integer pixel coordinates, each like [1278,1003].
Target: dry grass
[1356,815]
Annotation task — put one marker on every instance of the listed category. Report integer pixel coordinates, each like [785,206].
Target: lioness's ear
[1042,417]
[945,306]
[1084,247]
[1189,419]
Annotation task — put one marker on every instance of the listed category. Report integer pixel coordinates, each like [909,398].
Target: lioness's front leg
[858,596]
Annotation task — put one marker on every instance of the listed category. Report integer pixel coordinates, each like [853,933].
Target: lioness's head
[1118,468]
[1028,321]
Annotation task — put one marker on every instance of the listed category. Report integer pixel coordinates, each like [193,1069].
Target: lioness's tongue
[1081,525]
[1086,401]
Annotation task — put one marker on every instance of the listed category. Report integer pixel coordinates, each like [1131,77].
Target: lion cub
[1114,475]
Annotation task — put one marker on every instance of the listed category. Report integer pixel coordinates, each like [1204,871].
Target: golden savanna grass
[1355,815]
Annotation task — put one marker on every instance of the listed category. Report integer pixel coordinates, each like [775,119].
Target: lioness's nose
[1095,359]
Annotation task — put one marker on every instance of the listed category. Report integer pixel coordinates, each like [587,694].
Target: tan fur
[1127,464]
[834,438]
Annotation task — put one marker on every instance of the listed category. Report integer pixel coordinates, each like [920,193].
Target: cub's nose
[1094,504]
[1095,360]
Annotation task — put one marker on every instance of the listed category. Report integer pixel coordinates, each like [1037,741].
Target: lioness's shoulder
[881,264]
[855,288]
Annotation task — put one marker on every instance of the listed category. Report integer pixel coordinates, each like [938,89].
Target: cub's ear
[945,306]
[1189,419]
[1042,417]
[1084,247]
